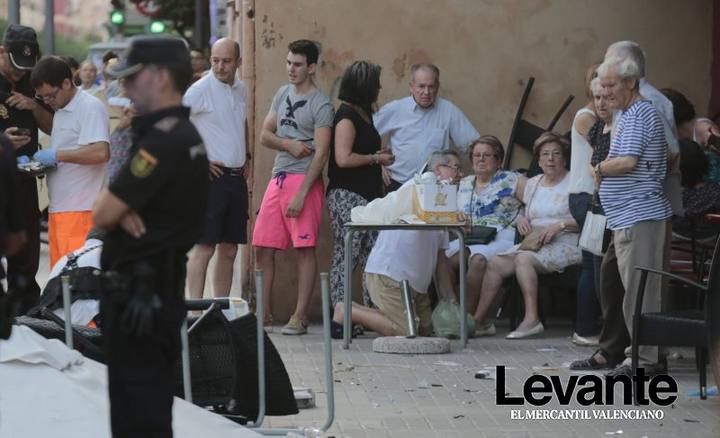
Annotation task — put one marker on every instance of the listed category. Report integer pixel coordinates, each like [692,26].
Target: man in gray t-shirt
[297,117]
[299,127]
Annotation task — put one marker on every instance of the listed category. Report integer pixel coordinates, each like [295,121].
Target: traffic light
[117,17]
[157,26]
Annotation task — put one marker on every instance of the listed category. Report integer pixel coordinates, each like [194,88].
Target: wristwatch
[563,228]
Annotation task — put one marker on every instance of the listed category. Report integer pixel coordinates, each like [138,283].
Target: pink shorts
[273,229]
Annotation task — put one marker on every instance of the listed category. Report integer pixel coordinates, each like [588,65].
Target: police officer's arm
[139,182]
[93,153]
[110,211]
[270,140]
[43,115]
[322,152]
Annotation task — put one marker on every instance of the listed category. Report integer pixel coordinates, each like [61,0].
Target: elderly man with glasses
[79,149]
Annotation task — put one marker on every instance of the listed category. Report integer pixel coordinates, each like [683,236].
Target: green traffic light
[157,27]
[117,17]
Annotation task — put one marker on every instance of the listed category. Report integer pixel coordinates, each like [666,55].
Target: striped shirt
[637,195]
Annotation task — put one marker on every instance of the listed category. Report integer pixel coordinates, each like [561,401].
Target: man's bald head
[226,47]
[225,60]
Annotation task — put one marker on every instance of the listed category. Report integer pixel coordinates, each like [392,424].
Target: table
[714,309]
[352,228]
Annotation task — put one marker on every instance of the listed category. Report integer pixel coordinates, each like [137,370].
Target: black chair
[677,328]
[525,133]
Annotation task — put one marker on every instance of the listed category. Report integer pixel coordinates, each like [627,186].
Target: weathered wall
[486,50]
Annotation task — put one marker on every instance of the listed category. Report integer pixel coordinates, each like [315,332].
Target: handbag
[533,240]
[481,235]
[595,236]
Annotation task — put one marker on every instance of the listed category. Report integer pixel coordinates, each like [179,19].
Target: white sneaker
[585,341]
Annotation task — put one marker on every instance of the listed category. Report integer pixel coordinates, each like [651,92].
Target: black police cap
[21,44]
[150,51]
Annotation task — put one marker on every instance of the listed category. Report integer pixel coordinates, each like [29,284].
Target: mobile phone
[23,131]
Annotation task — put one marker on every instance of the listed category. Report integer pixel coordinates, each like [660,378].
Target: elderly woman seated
[550,241]
[489,201]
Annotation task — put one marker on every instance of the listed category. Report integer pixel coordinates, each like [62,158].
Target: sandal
[598,361]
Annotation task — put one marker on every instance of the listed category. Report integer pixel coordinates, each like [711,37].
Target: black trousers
[614,336]
[141,370]
[23,266]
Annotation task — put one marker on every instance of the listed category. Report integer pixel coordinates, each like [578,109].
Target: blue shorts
[227,209]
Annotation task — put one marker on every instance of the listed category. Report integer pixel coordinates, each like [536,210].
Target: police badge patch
[142,164]
[27,51]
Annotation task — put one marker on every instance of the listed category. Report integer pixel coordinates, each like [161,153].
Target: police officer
[153,213]
[20,117]
[12,236]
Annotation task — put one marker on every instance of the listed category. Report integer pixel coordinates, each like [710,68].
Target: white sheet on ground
[49,390]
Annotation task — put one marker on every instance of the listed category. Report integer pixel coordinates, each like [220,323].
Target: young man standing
[298,126]
[217,109]
[79,147]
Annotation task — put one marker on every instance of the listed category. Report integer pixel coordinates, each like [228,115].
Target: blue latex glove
[46,157]
[23,159]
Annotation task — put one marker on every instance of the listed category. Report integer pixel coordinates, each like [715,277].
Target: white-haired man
[631,192]
[406,255]
[632,50]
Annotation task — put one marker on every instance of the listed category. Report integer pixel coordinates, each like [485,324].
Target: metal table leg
[347,297]
[462,260]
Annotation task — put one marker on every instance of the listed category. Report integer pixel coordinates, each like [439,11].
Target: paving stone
[402,345]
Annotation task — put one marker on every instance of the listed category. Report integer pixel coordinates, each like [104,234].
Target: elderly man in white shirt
[217,108]
[420,124]
[79,148]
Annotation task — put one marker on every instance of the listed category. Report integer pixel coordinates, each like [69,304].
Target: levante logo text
[589,390]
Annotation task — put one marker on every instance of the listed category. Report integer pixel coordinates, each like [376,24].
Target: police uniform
[10,218]
[21,43]
[165,181]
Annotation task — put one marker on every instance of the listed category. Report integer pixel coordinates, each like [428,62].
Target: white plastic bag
[593,233]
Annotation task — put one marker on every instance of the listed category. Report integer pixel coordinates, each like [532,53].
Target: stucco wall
[486,50]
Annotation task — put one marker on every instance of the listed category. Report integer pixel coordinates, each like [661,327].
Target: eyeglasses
[455,168]
[483,155]
[49,97]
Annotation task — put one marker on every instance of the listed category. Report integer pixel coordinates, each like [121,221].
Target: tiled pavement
[384,395]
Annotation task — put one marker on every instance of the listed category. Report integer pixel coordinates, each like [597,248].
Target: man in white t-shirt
[79,148]
[406,255]
[217,109]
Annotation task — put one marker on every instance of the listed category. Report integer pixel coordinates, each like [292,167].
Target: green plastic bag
[446,320]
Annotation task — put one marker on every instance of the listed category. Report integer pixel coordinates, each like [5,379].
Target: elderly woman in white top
[488,199]
[550,243]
